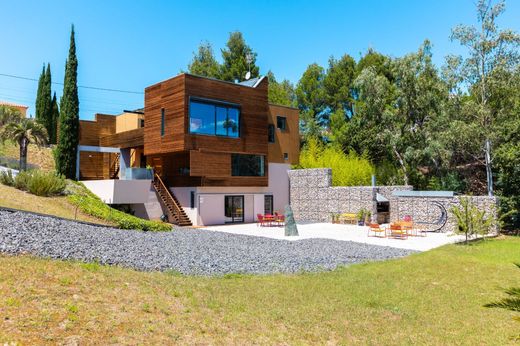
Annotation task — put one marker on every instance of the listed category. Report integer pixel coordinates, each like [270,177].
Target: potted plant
[368,214]
[361,217]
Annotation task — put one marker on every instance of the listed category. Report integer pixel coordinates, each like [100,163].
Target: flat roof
[428,194]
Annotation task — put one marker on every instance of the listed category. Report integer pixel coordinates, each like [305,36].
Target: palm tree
[24,132]
[9,114]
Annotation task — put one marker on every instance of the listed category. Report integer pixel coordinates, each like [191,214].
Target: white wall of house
[119,191]
[209,201]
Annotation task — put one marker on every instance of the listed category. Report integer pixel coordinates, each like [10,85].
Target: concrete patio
[340,232]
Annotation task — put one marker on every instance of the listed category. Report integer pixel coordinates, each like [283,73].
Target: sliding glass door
[234,209]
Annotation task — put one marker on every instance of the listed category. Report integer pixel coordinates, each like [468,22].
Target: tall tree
[310,96]
[235,59]
[280,93]
[338,84]
[24,132]
[8,115]
[204,62]
[39,113]
[54,119]
[490,51]
[68,128]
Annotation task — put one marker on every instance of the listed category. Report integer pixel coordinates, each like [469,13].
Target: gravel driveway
[189,251]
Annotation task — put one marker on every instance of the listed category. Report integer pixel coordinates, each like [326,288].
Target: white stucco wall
[279,185]
[120,191]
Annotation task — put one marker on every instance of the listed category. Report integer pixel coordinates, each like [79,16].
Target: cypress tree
[46,102]
[54,120]
[68,130]
[39,106]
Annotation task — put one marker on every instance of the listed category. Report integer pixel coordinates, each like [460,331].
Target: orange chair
[397,231]
[377,229]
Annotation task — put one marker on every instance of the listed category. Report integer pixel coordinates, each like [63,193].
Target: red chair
[261,220]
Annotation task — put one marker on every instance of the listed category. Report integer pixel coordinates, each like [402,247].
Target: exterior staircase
[176,214]
[114,168]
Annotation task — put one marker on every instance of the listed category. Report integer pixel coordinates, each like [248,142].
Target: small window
[162,121]
[141,122]
[281,123]
[285,156]
[192,199]
[270,133]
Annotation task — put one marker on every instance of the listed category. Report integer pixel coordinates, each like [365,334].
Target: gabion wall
[313,198]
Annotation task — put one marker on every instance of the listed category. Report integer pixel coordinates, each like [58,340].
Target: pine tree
[235,65]
[204,62]
[68,133]
[54,120]
[39,106]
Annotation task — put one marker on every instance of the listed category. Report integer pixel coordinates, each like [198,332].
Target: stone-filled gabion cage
[314,199]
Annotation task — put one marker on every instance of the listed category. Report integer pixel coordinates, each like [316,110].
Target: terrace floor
[340,232]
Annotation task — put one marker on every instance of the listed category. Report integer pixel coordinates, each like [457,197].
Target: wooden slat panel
[287,141]
[91,131]
[126,139]
[214,164]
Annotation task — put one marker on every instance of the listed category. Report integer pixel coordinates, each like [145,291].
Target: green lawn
[435,298]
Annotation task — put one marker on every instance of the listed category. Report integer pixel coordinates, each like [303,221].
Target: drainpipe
[374,199]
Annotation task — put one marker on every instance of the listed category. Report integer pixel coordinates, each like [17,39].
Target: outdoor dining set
[399,229]
[270,220]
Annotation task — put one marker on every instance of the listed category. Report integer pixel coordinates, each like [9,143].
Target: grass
[435,297]
[41,157]
[57,206]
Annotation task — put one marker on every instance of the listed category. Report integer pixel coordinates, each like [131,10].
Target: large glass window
[247,165]
[214,119]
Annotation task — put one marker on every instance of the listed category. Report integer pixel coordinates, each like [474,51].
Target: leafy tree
[23,133]
[235,64]
[54,120]
[69,117]
[379,62]
[471,221]
[490,51]
[280,93]
[204,62]
[310,96]
[338,83]
[9,114]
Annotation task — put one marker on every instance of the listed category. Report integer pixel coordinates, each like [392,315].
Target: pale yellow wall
[128,121]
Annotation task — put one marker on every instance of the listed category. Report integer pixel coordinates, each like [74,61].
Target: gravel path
[189,251]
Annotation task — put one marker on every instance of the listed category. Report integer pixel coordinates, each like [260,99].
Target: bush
[90,204]
[6,178]
[22,180]
[45,183]
[347,169]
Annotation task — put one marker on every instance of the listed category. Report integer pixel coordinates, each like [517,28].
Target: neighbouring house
[21,108]
[218,152]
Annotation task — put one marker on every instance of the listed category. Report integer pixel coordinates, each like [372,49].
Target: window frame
[262,167]
[284,119]
[163,121]
[216,104]
[271,133]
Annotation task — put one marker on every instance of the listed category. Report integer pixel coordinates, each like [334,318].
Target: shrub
[471,220]
[6,178]
[90,204]
[347,169]
[45,183]
[22,180]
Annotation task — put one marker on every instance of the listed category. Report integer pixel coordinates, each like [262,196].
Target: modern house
[220,152]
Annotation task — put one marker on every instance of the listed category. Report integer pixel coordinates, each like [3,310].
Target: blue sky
[132,44]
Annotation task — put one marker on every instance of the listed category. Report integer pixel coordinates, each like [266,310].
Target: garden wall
[313,198]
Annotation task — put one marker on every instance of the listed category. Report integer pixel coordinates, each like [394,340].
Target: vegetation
[24,132]
[37,157]
[90,204]
[68,137]
[8,115]
[395,301]
[471,221]
[39,183]
[10,197]
[347,169]
[44,106]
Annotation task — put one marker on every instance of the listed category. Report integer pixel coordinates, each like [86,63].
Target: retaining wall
[313,198]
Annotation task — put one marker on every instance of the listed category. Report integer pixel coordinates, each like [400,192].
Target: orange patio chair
[377,229]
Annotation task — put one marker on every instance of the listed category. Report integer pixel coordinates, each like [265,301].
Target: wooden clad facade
[286,141]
